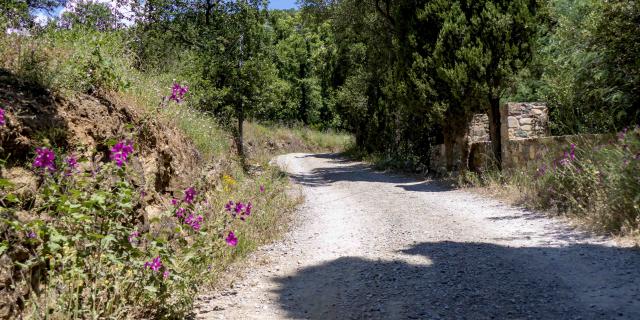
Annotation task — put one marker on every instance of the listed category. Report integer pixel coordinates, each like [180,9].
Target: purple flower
[229,206]
[45,159]
[154,265]
[178,92]
[638,156]
[261,189]
[247,209]
[541,171]
[231,239]
[175,202]
[239,207]
[72,162]
[189,195]
[2,122]
[572,153]
[180,213]
[72,165]
[120,152]
[194,222]
[165,274]
[31,235]
[133,236]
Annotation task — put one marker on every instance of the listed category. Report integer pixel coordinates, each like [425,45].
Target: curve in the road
[370,245]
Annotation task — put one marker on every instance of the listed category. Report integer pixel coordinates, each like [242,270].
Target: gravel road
[372,245]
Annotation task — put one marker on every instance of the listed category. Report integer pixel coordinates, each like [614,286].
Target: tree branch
[386,13]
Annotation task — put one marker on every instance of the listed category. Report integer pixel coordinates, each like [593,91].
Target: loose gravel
[372,245]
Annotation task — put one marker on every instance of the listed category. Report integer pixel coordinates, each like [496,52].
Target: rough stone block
[522,134]
[512,122]
[525,128]
[524,121]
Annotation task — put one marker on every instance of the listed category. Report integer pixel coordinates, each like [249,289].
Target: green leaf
[12,198]
[5,183]
[151,289]
[4,246]
[107,240]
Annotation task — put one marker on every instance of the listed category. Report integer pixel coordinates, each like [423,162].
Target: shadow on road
[359,172]
[471,281]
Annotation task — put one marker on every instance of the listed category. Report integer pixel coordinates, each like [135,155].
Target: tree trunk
[448,149]
[494,130]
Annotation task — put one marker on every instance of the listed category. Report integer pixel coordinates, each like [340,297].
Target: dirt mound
[164,160]
[83,124]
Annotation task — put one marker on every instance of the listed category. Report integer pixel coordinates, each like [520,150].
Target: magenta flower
[45,159]
[180,213]
[133,236]
[175,202]
[239,207]
[189,195]
[194,222]
[154,265]
[120,152]
[261,189]
[72,165]
[572,153]
[31,235]
[229,206]
[541,171]
[165,274]
[2,121]
[247,209]
[178,92]
[231,239]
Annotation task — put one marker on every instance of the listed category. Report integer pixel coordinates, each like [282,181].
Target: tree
[232,61]
[20,13]
[90,14]
[480,45]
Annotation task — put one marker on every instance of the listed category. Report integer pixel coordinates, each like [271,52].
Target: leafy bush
[82,60]
[598,183]
[103,256]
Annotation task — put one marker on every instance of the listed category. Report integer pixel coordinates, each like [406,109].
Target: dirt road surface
[371,245]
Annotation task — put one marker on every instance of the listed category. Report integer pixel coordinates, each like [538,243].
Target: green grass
[598,186]
[61,62]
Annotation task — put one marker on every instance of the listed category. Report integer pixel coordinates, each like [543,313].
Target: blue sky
[282,4]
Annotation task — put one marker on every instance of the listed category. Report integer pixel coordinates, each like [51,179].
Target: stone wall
[478,131]
[524,120]
[479,128]
[525,140]
[527,154]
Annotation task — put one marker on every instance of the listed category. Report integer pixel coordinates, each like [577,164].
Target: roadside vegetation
[405,90]
[87,239]
[597,183]
[242,84]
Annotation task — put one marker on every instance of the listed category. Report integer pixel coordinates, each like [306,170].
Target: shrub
[102,256]
[82,60]
[598,182]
